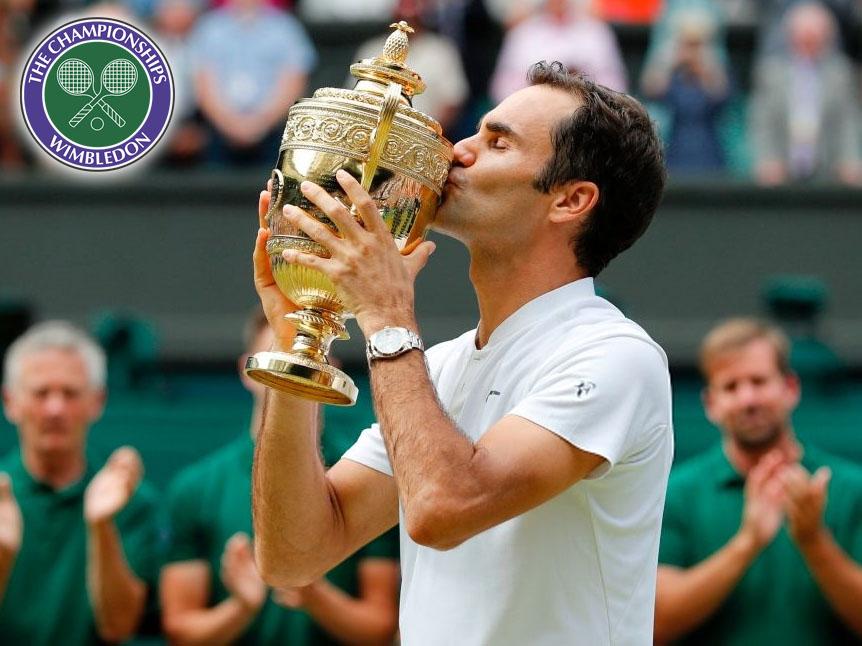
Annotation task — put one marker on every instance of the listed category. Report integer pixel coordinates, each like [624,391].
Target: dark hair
[611,141]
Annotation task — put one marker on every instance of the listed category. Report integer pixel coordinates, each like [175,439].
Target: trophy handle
[380,134]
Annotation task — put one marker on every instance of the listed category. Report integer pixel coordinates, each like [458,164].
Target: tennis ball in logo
[97,94]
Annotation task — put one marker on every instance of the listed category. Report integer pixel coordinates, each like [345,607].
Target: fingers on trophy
[400,157]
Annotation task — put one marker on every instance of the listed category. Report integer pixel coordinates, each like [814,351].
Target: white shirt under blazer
[580,568]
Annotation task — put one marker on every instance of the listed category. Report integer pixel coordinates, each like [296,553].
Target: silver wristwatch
[391,342]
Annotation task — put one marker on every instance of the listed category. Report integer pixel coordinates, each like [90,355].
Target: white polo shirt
[580,568]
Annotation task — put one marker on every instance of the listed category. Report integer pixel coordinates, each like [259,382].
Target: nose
[464,152]
[55,404]
[747,394]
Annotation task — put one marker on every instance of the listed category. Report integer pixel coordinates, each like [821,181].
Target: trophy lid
[390,66]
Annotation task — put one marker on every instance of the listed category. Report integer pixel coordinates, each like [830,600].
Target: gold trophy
[400,157]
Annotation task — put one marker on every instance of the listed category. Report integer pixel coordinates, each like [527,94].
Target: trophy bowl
[400,157]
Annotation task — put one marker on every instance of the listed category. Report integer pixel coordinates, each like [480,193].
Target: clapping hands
[112,487]
[778,491]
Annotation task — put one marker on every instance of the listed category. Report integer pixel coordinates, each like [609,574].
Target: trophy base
[298,375]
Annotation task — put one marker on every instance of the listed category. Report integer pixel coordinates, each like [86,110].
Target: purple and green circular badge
[97,94]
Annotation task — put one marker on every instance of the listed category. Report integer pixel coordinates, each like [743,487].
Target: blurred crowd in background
[789,113]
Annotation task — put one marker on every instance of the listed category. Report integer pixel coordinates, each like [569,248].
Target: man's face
[692,49]
[52,402]
[748,397]
[490,193]
[810,32]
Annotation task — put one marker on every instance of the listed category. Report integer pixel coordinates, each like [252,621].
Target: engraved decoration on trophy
[400,157]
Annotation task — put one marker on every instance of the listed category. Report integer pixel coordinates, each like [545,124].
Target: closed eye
[500,135]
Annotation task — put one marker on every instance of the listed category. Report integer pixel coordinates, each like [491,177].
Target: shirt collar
[726,475]
[569,296]
[23,479]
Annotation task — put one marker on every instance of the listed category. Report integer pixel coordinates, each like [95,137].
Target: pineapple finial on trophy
[389,66]
[397,45]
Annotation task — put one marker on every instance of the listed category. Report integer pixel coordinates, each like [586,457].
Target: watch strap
[410,341]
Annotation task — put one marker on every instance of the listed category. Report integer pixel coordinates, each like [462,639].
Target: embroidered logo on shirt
[584,388]
[493,392]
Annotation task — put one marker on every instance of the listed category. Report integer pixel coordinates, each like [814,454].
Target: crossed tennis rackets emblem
[117,78]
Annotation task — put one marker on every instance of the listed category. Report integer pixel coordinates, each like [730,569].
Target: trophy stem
[305,371]
[316,329]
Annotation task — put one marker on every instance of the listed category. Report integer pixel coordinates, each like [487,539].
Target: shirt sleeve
[606,398]
[183,536]
[674,536]
[142,536]
[138,526]
[850,484]
[370,451]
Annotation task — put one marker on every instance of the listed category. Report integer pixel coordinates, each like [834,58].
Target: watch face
[389,340]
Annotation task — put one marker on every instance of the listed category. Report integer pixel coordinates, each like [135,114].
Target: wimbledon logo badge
[97,94]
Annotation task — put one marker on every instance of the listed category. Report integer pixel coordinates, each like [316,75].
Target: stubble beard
[760,440]
[449,218]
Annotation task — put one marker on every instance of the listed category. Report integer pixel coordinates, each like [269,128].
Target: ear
[573,201]
[794,389]
[706,398]
[98,399]
[9,407]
